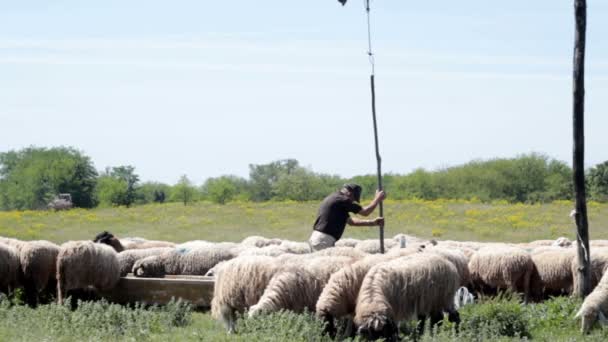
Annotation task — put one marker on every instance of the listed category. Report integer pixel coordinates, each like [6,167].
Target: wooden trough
[198,290]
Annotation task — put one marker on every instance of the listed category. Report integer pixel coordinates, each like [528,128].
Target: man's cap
[354,189]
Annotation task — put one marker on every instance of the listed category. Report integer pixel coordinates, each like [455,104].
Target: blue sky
[205,88]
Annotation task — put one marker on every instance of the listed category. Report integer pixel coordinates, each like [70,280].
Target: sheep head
[378,326]
[108,238]
[149,267]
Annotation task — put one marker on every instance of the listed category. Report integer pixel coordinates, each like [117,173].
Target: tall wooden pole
[378,159]
[580,215]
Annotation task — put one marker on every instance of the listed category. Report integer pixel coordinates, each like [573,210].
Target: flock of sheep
[351,282]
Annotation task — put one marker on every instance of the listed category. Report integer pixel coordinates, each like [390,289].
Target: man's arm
[365,223]
[380,195]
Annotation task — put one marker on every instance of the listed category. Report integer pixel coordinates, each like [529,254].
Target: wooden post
[580,215]
[378,159]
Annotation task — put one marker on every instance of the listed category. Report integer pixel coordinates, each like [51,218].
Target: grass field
[442,219]
[500,320]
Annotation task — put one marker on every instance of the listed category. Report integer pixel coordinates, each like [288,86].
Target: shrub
[91,321]
[497,316]
[282,326]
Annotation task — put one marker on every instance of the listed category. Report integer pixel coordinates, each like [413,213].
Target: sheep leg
[454,317]
[526,286]
[228,317]
[31,293]
[60,291]
[436,320]
[330,325]
[420,325]
[349,331]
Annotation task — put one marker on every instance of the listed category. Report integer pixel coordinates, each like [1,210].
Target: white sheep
[405,288]
[10,268]
[347,242]
[183,261]
[553,272]
[595,304]
[128,257]
[38,261]
[298,286]
[239,284]
[270,250]
[373,246]
[295,247]
[259,241]
[502,268]
[341,251]
[339,296]
[83,264]
[599,262]
[456,257]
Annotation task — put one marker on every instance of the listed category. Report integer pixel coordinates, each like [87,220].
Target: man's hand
[380,196]
[379,221]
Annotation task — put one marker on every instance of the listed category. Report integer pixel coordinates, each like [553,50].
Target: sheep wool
[239,284]
[39,266]
[339,296]
[348,242]
[456,257]
[298,286]
[183,261]
[128,257]
[341,251]
[595,304]
[259,241]
[599,262]
[553,274]
[502,268]
[270,250]
[81,264]
[295,247]
[9,268]
[373,246]
[399,290]
[151,244]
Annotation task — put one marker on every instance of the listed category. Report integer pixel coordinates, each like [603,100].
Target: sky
[205,88]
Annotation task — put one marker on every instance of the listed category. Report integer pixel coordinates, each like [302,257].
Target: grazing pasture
[497,318]
[440,219]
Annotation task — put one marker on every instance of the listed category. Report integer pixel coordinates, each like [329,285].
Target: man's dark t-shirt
[333,214]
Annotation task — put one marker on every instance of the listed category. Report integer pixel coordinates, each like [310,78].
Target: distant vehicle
[61,202]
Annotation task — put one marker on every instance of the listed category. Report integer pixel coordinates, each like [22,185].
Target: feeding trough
[197,290]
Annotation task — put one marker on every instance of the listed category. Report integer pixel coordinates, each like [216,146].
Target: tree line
[31,177]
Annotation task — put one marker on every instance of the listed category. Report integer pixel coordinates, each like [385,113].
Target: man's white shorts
[319,241]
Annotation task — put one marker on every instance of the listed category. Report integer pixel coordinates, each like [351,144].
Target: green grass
[499,319]
[459,220]
[443,219]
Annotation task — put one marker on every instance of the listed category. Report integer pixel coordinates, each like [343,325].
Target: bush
[495,317]
[282,326]
[31,177]
[91,321]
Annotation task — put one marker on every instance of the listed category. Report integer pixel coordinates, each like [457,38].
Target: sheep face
[588,318]
[149,267]
[110,240]
[377,327]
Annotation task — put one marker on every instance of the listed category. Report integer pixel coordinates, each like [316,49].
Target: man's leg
[319,241]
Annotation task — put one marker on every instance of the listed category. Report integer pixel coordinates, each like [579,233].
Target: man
[334,215]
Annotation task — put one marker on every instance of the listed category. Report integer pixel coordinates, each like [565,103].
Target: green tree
[183,191]
[264,177]
[31,177]
[118,186]
[598,182]
[221,189]
[111,190]
[153,192]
